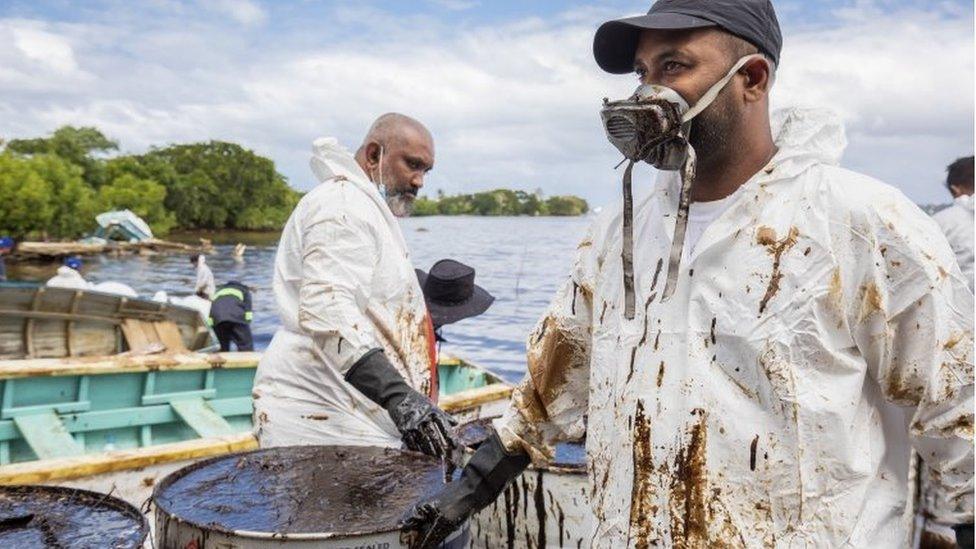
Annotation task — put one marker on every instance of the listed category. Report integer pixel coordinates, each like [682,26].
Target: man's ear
[758,79]
[372,155]
[955,190]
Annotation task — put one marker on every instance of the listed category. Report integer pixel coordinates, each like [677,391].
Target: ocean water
[519,260]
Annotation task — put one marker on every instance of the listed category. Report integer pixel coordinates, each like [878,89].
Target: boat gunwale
[20,368]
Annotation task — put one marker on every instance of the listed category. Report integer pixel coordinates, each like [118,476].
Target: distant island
[501,202]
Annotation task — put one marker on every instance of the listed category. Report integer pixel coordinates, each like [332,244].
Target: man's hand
[423,426]
[491,468]
[431,521]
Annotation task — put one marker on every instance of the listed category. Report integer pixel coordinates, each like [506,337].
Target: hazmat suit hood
[805,137]
[330,160]
[965,201]
[809,135]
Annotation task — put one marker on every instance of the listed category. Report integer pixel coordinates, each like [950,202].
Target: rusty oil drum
[335,497]
[69,518]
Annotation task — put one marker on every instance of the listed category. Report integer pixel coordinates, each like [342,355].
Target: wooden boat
[119,423]
[53,251]
[45,322]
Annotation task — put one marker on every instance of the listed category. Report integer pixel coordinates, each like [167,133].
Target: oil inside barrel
[35,516]
[306,489]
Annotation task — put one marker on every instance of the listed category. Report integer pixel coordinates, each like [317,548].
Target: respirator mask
[653,125]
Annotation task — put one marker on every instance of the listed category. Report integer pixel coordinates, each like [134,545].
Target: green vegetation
[54,186]
[500,202]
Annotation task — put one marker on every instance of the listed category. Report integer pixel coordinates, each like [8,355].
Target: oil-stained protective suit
[819,329]
[344,285]
[957,223]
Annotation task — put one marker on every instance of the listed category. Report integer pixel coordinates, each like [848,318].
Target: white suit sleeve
[549,405]
[913,323]
[339,258]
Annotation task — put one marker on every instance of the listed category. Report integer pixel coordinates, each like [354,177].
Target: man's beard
[400,202]
[713,133]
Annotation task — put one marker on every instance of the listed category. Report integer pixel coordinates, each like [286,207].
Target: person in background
[205,285]
[69,275]
[451,294]
[354,361]
[6,245]
[956,221]
[231,315]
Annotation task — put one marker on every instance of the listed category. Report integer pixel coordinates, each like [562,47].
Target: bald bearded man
[354,360]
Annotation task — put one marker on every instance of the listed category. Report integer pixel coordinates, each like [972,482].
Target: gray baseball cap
[752,20]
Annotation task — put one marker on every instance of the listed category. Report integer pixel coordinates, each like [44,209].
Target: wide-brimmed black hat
[752,20]
[451,293]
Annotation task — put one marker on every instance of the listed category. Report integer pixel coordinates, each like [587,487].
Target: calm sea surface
[519,260]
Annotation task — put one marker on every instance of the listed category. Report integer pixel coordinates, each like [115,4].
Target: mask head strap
[717,88]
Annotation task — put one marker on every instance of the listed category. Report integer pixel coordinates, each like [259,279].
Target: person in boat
[6,245]
[354,361]
[231,315]
[451,294]
[957,221]
[205,285]
[757,370]
[69,275]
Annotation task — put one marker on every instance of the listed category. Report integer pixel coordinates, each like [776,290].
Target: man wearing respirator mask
[744,348]
[354,361]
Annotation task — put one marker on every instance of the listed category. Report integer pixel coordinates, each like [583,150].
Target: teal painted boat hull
[65,412]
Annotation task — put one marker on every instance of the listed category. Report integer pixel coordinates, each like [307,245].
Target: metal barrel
[544,507]
[335,497]
[57,516]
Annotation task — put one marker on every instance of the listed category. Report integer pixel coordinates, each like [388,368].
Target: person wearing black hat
[451,294]
[744,348]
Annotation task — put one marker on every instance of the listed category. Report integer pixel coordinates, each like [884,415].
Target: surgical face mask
[653,126]
[399,202]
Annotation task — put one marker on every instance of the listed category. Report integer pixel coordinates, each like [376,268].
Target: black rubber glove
[964,535]
[490,469]
[423,426]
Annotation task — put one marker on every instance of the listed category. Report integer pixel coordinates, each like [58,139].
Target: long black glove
[423,426]
[484,477]
[964,535]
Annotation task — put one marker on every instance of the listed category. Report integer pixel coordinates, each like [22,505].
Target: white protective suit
[958,225]
[68,278]
[205,279]
[344,285]
[819,327]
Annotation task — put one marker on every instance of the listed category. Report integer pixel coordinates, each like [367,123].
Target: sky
[508,88]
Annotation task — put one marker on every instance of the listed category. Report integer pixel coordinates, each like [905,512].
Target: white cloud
[456,5]
[50,50]
[246,12]
[510,105]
